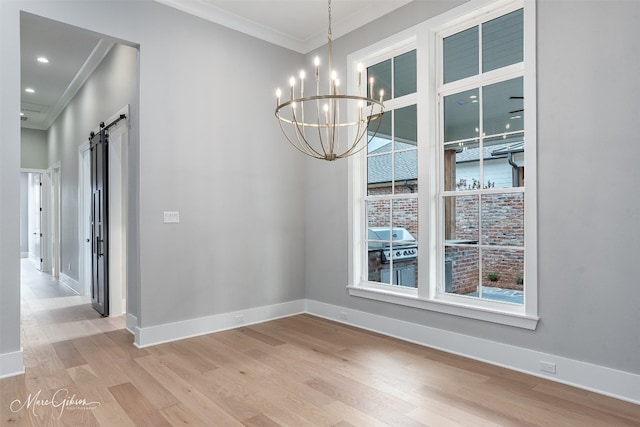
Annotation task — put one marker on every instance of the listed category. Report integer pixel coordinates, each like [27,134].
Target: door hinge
[40,259]
[40,209]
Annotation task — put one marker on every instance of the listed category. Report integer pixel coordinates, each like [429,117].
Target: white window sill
[502,317]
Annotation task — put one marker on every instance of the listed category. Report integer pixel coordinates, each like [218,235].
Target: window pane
[461,270]
[406,127]
[461,219]
[376,263]
[404,74]
[503,272]
[503,219]
[461,55]
[462,166]
[378,237]
[379,175]
[502,41]
[405,247]
[378,217]
[498,172]
[382,141]
[461,115]
[381,74]
[405,220]
[503,107]
[406,172]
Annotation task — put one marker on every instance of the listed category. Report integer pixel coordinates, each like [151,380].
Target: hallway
[52,312]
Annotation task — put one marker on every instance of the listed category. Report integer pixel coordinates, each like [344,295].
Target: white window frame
[424,37]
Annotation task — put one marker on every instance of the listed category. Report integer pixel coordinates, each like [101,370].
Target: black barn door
[99,223]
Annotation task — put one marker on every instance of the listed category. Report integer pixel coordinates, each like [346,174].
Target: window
[391,200]
[440,216]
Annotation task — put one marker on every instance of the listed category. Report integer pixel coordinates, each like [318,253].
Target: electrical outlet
[238,319]
[548,367]
[344,315]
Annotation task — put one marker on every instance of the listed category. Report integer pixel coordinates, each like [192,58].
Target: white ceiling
[73,55]
[299,25]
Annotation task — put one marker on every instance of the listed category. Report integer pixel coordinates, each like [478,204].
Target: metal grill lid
[395,234]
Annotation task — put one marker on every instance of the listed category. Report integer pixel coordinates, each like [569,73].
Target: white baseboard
[611,382]
[152,335]
[11,364]
[70,283]
[131,322]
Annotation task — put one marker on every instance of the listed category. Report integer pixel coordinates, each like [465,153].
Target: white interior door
[84,219]
[35,219]
[118,137]
[53,264]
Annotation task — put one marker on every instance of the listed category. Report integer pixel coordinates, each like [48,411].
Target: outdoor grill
[396,239]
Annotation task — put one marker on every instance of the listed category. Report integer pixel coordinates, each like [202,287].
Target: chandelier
[329,126]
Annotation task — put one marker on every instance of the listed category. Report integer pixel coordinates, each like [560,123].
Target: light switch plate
[171,217]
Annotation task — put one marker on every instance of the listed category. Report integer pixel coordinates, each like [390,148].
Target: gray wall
[208,146]
[33,149]
[588,201]
[112,86]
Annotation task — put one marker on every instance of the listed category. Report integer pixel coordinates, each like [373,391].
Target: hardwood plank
[68,354]
[366,400]
[192,398]
[260,421]
[149,386]
[179,415]
[352,415]
[136,406]
[267,339]
[108,412]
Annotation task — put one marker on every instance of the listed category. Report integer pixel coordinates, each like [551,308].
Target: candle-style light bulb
[334,75]
[359,74]
[371,87]
[278,95]
[316,62]
[381,95]
[302,76]
[292,82]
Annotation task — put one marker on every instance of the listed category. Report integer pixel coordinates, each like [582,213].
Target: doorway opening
[106,78]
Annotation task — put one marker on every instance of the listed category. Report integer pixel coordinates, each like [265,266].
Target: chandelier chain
[329,38]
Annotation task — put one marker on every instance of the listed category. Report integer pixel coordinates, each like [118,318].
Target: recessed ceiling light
[43,60]
[515,117]
[473,96]
[29,90]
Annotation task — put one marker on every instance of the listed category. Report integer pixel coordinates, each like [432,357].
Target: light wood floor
[297,371]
